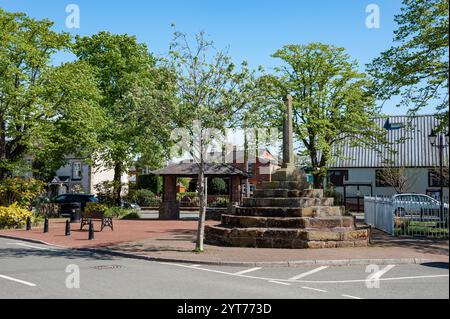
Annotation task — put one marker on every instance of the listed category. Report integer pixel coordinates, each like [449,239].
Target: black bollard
[28,223]
[67,228]
[46,225]
[91,231]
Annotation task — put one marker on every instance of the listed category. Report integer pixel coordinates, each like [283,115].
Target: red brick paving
[176,240]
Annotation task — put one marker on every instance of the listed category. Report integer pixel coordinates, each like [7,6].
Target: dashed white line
[279,282]
[18,280]
[352,297]
[247,271]
[315,289]
[302,275]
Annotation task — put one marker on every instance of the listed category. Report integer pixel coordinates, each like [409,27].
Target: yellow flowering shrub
[13,216]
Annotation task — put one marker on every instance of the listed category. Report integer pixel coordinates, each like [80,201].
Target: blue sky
[252,29]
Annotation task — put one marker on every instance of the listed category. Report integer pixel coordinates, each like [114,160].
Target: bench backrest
[95,215]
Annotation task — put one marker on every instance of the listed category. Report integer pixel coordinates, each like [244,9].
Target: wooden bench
[86,219]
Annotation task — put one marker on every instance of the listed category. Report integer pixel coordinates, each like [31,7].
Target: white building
[358,169]
[77,175]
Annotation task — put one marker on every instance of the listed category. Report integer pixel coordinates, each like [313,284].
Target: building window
[434,180]
[337,177]
[76,170]
[379,180]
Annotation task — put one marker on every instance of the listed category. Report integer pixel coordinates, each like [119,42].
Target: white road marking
[247,270]
[302,275]
[279,282]
[195,265]
[315,289]
[31,246]
[305,281]
[378,274]
[353,297]
[18,280]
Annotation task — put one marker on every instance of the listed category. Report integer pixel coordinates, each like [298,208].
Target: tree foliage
[331,101]
[417,67]
[46,111]
[137,97]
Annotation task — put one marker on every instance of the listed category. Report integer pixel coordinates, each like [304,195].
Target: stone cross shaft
[288,138]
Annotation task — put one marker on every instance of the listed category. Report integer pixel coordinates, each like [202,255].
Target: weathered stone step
[285,238]
[314,211]
[287,202]
[287,222]
[281,184]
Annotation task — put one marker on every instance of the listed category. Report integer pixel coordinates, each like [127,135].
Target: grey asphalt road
[29,270]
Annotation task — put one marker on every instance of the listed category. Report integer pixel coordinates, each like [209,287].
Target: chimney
[234,154]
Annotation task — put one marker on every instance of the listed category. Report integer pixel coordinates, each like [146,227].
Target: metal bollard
[28,223]
[67,228]
[46,225]
[91,231]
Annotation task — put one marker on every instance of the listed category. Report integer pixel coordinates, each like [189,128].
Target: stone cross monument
[288,136]
[288,166]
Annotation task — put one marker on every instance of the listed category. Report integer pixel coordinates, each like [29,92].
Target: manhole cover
[104,267]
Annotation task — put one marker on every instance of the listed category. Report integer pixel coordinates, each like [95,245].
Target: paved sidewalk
[175,240]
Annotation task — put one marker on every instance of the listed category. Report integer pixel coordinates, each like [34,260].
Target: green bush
[331,192]
[93,207]
[144,197]
[118,212]
[220,202]
[13,216]
[21,191]
[132,215]
[218,186]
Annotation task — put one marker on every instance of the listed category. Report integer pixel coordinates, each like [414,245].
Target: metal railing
[407,218]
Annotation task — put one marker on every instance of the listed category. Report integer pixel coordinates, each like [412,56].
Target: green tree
[210,94]
[416,68]
[137,98]
[218,186]
[332,101]
[46,111]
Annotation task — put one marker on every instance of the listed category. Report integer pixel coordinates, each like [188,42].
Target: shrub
[144,197]
[93,207]
[21,191]
[118,212]
[132,215]
[220,202]
[218,186]
[331,192]
[13,216]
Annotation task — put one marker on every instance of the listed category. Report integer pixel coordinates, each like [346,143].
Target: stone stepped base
[287,202]
[286,238]
[289,222]
[313,211]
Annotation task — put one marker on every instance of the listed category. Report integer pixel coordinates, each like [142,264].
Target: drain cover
[104,267]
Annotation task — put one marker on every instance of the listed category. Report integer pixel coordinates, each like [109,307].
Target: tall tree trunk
[117,183]
[203,204]
[2,147]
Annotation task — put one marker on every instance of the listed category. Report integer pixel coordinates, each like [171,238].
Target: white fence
[379,213]
[410,217]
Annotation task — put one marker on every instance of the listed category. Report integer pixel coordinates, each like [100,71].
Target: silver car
[418,206]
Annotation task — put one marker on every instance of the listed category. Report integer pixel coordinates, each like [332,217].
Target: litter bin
[75,216]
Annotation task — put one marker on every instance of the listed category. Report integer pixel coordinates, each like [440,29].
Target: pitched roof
[192,169]
[408,142]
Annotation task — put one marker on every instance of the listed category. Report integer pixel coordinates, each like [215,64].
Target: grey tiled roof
[409,145]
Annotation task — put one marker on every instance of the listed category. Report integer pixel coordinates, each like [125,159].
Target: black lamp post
[437,140]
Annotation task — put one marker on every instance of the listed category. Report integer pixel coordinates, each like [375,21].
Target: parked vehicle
[415,205]
[123,203]
[70,202]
